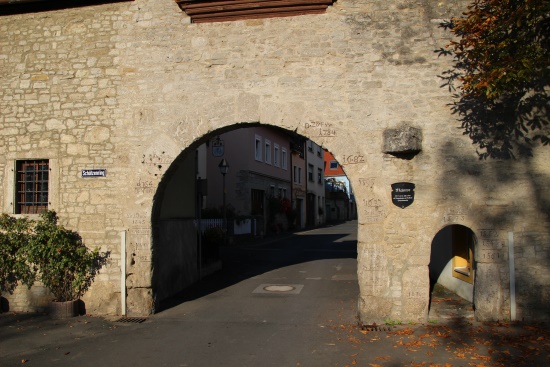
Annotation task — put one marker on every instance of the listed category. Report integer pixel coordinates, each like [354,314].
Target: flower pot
[63,310]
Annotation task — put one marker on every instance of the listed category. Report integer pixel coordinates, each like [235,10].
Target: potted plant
[64,264]
[14,266]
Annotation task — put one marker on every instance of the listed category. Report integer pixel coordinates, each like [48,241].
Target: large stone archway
[129,86]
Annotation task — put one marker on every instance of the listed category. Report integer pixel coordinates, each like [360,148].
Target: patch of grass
[391,322]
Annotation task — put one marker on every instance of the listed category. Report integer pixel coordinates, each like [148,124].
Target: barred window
[32,186]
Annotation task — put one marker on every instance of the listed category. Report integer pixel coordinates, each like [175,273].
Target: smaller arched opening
[452,271]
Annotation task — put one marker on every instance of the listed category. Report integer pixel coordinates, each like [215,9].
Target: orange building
[332,167]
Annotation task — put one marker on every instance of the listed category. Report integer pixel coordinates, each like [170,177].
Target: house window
[272,191]
[310,172]
[284,193]
[258,148]
[297,174]
[267,151]
[333,165]
[280,190]
[319,176]
[310,146]
[318,151]
[283,159]
[276,155]
[32,186]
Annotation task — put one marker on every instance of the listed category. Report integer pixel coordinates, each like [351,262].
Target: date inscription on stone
[491,245]
[321,129]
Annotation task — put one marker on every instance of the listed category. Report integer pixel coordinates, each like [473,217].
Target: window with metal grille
[32,186]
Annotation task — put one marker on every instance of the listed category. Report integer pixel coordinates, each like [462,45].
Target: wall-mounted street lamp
[224,168]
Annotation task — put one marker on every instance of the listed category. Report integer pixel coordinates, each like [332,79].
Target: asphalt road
[290,302]
[277,303]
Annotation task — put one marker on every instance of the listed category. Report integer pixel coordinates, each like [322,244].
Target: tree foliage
[501,73]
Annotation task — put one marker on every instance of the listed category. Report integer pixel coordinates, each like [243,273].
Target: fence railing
[207,224]
[244,226]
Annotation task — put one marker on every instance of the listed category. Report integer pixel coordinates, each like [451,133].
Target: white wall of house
[316,183]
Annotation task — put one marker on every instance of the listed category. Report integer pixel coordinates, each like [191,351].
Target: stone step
[446,305]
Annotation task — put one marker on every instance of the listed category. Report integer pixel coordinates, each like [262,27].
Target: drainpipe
[511,261]
[123,273]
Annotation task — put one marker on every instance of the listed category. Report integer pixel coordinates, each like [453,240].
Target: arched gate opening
[240,185]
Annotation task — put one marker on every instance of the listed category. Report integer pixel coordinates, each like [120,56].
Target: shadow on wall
[4,304]
[495,185]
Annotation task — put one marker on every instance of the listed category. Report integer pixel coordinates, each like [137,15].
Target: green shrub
[65,265]
[14,265]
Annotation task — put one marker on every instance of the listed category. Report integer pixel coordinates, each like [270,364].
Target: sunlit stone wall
[128,87]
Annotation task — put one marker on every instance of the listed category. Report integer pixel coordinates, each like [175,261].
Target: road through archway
[274,186]
[305,277]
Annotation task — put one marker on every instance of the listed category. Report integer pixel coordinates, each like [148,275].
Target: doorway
[452,272]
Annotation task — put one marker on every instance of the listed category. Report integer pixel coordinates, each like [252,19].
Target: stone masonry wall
[59,85]
[132,86]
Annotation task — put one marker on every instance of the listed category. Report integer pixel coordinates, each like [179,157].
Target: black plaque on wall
[402,194]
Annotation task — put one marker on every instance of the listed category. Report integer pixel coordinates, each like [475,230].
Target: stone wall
[132,86]
[59,87]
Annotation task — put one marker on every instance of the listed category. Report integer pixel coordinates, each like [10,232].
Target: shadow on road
[246,261]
